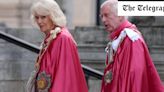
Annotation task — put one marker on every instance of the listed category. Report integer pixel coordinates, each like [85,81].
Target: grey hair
[113,6]
[49,7]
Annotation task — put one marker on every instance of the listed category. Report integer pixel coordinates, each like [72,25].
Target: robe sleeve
[67,73]
[136,72]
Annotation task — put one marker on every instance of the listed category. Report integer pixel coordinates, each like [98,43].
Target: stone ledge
[15,71]
[90,35]
[12,86]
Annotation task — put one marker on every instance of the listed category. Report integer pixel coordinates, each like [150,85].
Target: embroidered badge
[43,82]
[108,77]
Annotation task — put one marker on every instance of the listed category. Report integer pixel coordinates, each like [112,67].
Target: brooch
[108,77]
[43,82]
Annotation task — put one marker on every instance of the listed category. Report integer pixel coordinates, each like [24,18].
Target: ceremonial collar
[115,33]
[52,34]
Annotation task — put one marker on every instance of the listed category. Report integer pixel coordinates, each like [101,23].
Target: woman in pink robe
[129,67]
[58,64]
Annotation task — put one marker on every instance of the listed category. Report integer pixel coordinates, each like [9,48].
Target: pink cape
[61,62]
[133,69]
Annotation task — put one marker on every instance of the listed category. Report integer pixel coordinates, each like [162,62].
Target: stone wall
[16,63]
[16,13]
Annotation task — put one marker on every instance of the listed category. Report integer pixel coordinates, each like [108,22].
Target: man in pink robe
[129,67]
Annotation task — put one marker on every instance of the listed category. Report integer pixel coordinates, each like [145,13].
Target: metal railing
[89,72]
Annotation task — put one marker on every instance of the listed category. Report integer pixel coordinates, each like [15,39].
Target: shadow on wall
[142,20]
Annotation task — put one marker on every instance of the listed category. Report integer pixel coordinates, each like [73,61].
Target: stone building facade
[16,13]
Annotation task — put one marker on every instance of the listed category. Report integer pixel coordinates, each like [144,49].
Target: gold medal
[43,82]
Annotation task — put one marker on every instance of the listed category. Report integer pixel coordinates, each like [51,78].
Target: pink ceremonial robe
[61,62]
[132,67]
